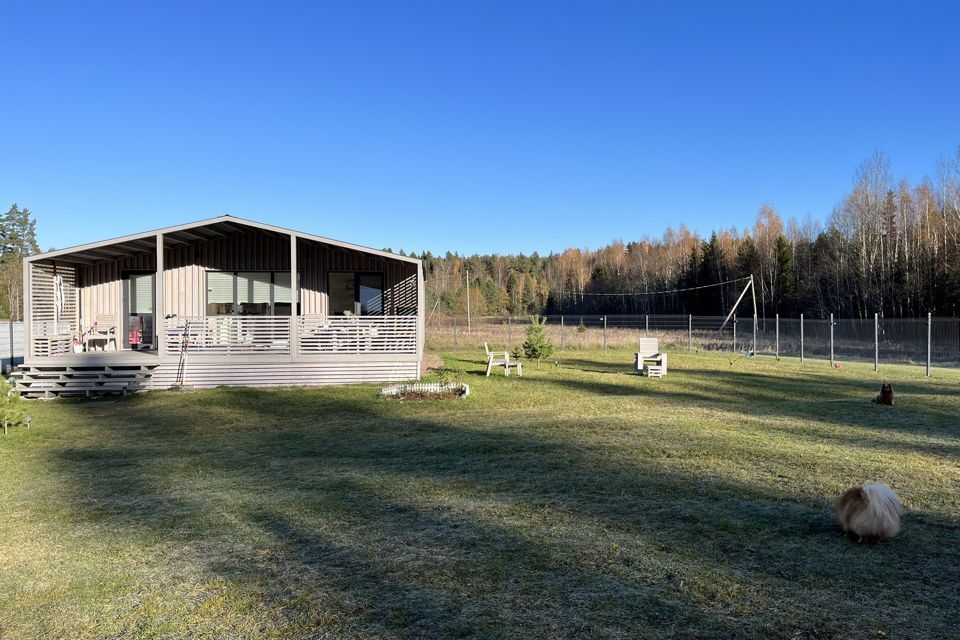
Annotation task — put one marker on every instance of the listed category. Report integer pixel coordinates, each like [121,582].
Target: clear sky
[469,126]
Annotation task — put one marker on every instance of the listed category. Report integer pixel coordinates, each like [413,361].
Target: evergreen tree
[514,300]
[786,278]
[530,302]
[18,239]
[537,345]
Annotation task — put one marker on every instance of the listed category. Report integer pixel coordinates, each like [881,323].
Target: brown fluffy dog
[886,394]
[871,512]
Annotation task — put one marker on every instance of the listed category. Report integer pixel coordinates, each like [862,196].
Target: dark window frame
[273,303]
[356,287]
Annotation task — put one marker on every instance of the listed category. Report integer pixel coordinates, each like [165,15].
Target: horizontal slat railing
[228,335]
[49,338]
[357,334]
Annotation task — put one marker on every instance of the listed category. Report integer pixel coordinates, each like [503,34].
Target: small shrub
[12,409]
[537,345]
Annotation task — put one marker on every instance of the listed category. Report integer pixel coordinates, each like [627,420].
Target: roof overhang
[200,231]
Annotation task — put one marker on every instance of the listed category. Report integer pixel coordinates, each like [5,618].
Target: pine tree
[18,239]
[786,277]
[12,407]
[537,345]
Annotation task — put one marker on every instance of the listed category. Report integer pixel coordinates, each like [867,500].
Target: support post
[876,342]
[561,333]
[929,339]
[646,326]
[689,332]
[777,331]
[753,294]
[295,295]
[801,338]
[159,314]
[468,300]
[831,340]
[604,333]
[734,333]
[27,314]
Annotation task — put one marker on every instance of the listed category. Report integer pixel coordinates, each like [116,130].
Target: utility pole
[468,300]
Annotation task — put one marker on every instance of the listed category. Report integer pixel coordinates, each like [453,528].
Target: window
[249,293]
[352,293]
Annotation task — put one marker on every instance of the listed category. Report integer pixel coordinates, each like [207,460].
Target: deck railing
[315,335]
[228,335]
[357,334]
[49,338]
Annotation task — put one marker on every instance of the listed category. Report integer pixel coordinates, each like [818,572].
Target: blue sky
[469,126]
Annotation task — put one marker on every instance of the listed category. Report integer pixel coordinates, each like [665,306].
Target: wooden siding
[100,284]
[185,266]
[281,374]
[316,261]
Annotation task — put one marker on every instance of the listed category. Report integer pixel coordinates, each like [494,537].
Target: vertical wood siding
[185,266]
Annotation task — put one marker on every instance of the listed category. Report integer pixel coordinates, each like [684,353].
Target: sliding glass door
[138,310]
[355,293]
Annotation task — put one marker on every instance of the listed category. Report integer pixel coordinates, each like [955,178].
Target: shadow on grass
[830,400]
[417,525]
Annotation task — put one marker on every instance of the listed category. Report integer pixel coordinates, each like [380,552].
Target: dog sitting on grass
[870,512]
[886,395]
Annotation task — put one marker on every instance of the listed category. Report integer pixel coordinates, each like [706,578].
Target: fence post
[690,332]
[646,326]
[777,332]
[561,333]
[876,342]
[929,336]
[604,333]
[509,332]
[801,338]
[10,327]
[734,333]
[831,340]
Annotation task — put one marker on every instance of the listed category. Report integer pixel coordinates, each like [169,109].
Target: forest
[888,247]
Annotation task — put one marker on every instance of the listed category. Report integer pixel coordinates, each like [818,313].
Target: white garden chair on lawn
[496,359]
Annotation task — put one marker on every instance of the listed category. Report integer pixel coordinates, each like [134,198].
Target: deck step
[52,381]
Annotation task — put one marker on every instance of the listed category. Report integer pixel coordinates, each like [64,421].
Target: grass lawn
[580,501]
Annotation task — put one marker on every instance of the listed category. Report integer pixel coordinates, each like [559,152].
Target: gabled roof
[191,232]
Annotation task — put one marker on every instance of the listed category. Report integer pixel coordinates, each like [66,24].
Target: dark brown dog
[886,394]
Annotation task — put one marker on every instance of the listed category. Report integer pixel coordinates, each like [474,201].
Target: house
[224,301]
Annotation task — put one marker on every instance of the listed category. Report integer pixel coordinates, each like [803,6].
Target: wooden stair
[55,381]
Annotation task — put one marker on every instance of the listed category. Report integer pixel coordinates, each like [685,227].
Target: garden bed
[426,391]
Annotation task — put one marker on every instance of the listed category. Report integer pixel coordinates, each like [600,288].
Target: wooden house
[224,301]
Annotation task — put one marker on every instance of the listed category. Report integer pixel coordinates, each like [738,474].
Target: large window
[353,293]
[248,293]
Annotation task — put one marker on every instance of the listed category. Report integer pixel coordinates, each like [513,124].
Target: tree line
[888,247]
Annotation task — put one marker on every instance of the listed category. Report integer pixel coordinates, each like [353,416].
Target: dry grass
[580,501]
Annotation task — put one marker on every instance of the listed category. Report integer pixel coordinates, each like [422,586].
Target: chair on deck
[649,361]
[105,329]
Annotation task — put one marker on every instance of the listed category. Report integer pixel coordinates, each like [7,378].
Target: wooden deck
[97,358]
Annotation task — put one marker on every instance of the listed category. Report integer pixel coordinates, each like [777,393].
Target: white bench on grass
[649,361]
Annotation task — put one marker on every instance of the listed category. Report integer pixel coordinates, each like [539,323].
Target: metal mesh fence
[900,341]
